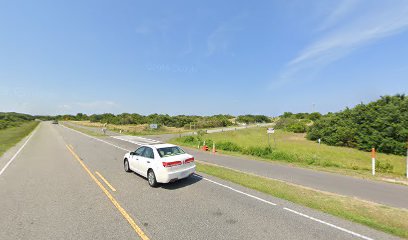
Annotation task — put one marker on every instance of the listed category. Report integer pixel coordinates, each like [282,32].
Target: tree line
[220,120]
[382,124]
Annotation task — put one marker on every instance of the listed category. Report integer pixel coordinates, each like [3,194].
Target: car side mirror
[132,153]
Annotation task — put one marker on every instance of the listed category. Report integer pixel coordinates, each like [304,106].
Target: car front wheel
[151,178]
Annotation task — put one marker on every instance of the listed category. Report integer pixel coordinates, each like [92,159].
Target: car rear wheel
[126,166]
[151,178]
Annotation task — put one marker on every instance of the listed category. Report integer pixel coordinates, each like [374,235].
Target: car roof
[160,145]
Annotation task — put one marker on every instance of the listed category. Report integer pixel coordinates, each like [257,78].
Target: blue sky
[200,57]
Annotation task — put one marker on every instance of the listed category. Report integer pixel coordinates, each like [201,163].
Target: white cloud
[218,40]
[343,8]
[367,27]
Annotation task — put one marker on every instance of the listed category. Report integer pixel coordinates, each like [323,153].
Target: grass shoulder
[84,130]
[11,136]
[387,219]
[294,149]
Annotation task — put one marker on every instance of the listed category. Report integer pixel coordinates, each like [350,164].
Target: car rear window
[170,151]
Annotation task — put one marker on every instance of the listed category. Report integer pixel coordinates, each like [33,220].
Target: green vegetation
[181,121]
[383,218]
[310,116]
[382,124]
[253,119]
[13,119]
[293,148]
[12,135]
[293,125]
[164,120]
[83,129]
[296,122]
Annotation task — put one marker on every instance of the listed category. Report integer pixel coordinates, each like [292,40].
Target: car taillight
[189,160]
[171,164]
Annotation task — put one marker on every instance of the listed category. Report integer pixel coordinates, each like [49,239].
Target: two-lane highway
[66,185]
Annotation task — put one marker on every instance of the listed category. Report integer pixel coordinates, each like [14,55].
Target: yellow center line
[132,223]
[105,181]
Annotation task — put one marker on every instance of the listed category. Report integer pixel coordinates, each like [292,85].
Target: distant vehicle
[160,163]
[55,122]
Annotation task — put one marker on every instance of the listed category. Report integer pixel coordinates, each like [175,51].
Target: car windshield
[170,151]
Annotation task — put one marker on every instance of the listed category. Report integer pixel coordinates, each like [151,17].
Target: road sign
[153,126]
[270,130]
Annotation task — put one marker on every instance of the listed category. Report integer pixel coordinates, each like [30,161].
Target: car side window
[148,153]
[139,151]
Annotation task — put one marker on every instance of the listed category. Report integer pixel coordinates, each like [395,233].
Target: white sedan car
[160,163]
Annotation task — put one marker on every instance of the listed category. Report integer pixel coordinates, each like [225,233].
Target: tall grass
[294,148]
[11,136]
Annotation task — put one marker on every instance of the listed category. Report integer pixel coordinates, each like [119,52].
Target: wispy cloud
[189,47]
[343,8]
[218,40]
[376,23]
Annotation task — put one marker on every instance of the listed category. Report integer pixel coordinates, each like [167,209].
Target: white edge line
[328,224]
[246,194]
[235,190]
[19,150]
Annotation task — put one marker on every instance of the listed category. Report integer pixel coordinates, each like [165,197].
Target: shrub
[384,168]
[228,146]
[292,125]
[382,124]
[257,151]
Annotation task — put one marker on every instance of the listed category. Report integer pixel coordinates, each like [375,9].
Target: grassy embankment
[11,136]
[380,217]
[293,148]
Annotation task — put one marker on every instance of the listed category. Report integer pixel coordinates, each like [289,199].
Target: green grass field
[383,218]
[11,136]
[293,148]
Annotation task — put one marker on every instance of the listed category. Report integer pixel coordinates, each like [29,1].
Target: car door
[135,160]
[146,161]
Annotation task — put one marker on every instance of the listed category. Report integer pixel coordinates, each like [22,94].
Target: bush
[188,139]
[253,119]
[384,168]
[292,125]
[257,151]
[382,124]
[228,146]
[299,127]
[11,119]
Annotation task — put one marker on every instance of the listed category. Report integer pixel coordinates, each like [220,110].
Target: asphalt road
[51,190]
[390,194]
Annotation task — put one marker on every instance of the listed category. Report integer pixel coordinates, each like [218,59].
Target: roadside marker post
[407,160]
[270,131]
[373,160]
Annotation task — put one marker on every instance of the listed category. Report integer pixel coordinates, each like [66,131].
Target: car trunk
[173,162]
